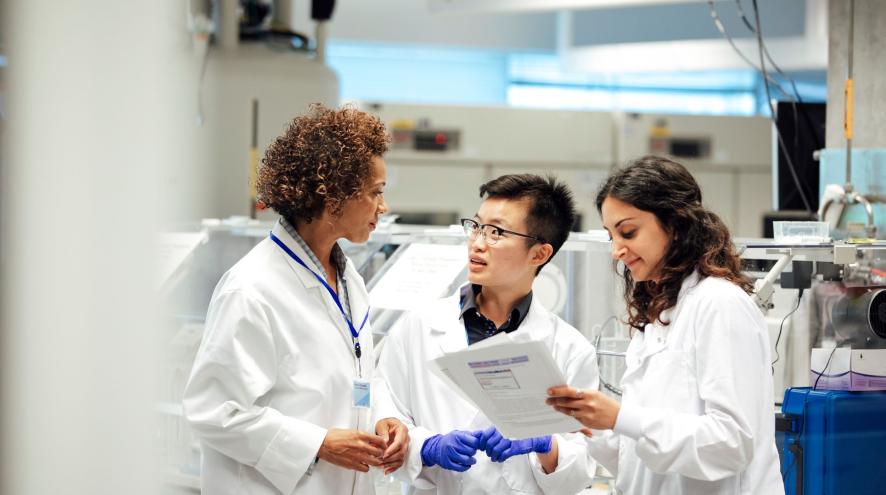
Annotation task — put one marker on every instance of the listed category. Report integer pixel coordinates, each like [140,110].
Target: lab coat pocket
[667,380]
[253,483]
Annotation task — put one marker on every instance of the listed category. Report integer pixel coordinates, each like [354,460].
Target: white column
[95,128]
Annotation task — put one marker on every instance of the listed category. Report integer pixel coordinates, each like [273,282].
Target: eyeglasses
[491,233]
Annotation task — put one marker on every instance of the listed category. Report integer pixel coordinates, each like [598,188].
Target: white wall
[411,21]
[96,115]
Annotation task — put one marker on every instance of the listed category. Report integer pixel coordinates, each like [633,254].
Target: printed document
[422,273]
[508,382]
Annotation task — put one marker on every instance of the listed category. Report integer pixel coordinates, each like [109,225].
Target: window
[402,73]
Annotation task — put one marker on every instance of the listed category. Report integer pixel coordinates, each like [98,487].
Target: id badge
[361,393]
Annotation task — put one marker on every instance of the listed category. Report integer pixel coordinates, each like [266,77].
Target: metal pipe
[228,24]
[823,212]
[320,36]
[870,229]
[776,270]
[849,100]
[253,161]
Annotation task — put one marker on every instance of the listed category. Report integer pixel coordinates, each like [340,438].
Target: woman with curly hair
[281,385]
[696,416]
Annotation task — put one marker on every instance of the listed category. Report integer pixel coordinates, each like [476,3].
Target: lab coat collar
[447,325]
[655,335]
[306,277]
[538,324]
[357,297]
[670,314]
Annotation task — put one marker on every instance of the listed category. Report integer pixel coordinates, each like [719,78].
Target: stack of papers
[509,383]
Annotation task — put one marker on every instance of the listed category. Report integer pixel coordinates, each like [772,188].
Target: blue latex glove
[500,449]
[453,451]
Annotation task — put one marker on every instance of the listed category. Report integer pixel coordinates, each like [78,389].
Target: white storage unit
[482,143]
[442,154]
[731,157]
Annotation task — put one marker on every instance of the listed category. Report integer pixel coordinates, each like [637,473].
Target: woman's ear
[673,235]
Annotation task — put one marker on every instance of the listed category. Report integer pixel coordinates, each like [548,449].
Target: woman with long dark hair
[696,416]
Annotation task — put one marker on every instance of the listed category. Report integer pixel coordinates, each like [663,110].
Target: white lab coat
[428,406]
[696,417]
[274,371]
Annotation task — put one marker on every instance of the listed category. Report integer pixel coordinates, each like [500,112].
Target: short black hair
[551,205]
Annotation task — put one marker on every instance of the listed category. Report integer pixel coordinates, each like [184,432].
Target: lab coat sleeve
[394,374]
[575,467]
[720,442]
[235,366]
[603,448]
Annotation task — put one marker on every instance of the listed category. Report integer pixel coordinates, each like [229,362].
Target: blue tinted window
[402,73]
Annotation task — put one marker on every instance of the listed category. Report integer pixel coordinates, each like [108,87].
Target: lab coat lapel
[539,324]
[449,334]
[310,282]
[655,337]
[358,299]
[447,327]
[652,341]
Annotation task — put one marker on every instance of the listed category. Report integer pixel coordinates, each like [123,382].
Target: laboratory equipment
[852,194]
[800,232]
[246,94]
[832,442]
[844,307]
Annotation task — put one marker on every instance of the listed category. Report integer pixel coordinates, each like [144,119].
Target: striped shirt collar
[338,256]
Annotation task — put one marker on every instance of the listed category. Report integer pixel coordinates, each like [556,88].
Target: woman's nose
[382,206]
[618,250]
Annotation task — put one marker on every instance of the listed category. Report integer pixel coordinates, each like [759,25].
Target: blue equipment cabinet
[834,442]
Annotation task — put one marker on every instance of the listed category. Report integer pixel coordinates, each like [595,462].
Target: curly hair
[322,160]
[699,240]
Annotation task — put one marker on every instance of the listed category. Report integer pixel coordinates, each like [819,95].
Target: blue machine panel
[834,443]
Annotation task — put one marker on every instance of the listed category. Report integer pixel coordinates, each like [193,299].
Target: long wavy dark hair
[699,240]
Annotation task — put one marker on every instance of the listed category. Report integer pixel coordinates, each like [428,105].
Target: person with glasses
[280,390]
[522,222]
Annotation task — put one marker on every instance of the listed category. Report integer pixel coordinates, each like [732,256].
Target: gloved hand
[500,449]
[453,451]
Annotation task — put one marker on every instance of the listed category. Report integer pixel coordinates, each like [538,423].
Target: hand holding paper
[594,409]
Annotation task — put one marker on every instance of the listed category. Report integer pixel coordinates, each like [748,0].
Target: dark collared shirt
[478,326]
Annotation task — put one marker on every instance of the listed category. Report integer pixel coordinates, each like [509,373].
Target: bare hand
[592,408]
[352,449]
[396,437]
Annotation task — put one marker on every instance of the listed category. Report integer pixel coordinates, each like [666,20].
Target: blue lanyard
[355,333]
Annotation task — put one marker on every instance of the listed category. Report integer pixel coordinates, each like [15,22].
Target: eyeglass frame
[481,228]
